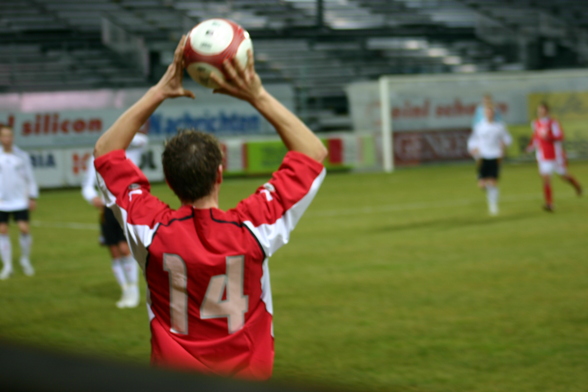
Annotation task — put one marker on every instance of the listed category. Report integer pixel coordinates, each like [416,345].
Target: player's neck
[204,203]
[7,149]
[210,201]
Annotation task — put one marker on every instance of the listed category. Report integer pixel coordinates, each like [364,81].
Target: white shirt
[17,182]
[489,138]
[90,183]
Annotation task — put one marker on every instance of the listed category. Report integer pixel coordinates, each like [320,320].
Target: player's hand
[32,204]
[170,84]
[241,83]
[97,202]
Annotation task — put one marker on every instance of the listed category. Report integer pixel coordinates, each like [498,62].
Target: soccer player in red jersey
[209,296]
[547,141]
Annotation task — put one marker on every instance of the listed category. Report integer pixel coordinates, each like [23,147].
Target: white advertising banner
[82,128]
[429,108]
[76,163]
[151,162]
[72,119]
[48,168]
[430,102]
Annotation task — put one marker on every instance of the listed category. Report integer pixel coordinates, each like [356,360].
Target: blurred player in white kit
[18,194]
[487,145]
[124,267]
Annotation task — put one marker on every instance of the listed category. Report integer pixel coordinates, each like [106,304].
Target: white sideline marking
[422,205]
[348,211]
[66,225]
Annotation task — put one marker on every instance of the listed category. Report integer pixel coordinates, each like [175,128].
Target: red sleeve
[126,190]
[556,131]
[275,208]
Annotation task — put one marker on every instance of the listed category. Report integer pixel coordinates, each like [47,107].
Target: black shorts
[110,230]
[489,168]
[21,215]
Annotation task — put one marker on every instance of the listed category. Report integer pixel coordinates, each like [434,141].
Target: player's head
[191,164]
[487,100]
[542,109]
[489,112]
[6,136]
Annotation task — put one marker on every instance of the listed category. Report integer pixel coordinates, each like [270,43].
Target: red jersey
[547,140]
[209,297]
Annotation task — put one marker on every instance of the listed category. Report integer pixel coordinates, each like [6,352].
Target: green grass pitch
[391,282]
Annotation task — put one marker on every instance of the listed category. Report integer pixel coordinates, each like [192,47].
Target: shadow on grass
[451,222]
[105,290]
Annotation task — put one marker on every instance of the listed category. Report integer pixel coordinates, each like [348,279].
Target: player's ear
[219,174]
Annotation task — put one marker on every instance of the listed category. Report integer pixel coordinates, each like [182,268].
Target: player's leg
[119,273]
[545,171]
[547,193]
[563,173]
[492,191]
[5,246]
[131,269]
[110,235]
[25,240]
[487,175]
[492,195]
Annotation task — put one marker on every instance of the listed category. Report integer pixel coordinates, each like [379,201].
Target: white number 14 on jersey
[229,286]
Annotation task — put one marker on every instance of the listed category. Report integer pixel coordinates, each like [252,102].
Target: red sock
[547,193]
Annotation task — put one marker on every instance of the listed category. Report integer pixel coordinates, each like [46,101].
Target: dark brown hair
[545,105]
[190,161]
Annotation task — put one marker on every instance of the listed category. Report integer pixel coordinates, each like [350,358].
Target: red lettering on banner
[502,107]
[64,126]
[26,129]
[412,148]
[456,109]
[37,123]
[409,110]
[79,164]
[96,125]
[10,122]
[51,123]
[79,126]
[55,126]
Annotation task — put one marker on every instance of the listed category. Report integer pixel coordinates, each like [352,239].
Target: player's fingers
[179,49]
[229,69]
[234,76]
[250,60]
[189,94]
[241,78]
[238,67]
[222,85]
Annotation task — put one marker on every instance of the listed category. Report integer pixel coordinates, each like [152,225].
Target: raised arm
[245,84]
[120,134]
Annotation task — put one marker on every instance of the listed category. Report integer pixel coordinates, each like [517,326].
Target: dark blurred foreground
[25,369]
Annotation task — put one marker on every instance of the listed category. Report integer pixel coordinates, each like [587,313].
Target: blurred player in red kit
[209,296]
[547,141]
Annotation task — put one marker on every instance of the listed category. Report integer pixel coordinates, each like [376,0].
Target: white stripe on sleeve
[273,236]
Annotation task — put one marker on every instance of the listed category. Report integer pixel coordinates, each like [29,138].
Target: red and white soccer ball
[209,44]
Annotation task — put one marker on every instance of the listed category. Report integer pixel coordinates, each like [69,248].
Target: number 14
[233,307]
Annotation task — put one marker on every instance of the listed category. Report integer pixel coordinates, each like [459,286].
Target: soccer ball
[209,44]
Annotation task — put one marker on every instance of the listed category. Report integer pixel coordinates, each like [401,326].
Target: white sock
[131,269]
[119,273]
[6,251]
[492,193]
[25,241]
